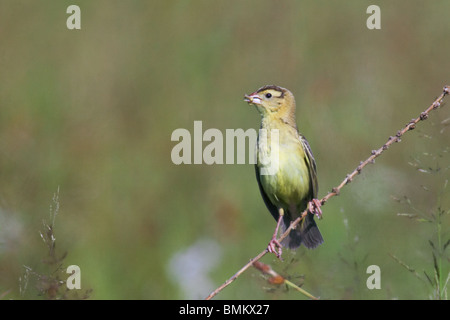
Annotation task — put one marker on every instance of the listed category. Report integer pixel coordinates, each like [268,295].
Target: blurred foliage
[91,112]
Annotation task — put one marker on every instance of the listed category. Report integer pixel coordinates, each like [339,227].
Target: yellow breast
[288,182]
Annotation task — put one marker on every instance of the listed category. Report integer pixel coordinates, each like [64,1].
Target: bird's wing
[311,163]
[270,206]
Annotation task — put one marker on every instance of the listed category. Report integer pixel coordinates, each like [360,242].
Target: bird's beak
[252,99]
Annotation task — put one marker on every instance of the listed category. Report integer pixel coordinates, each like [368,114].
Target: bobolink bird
[289,185]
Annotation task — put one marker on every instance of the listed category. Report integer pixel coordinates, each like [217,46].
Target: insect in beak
[252,99]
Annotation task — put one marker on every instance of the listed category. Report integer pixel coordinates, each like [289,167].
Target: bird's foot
[275,247]
[314,207]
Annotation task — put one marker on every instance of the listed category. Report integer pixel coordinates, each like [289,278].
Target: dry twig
[277,279]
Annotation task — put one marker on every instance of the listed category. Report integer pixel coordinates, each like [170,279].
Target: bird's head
[274,102]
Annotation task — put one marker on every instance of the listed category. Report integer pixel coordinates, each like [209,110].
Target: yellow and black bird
[289,185]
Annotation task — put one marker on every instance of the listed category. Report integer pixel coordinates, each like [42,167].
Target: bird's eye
[268,95]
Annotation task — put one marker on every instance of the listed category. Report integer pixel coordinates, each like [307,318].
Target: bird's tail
[306,233]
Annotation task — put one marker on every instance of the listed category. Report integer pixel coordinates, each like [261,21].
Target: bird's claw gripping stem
[314,207]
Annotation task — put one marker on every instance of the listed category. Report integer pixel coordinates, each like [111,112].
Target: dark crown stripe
[272,87]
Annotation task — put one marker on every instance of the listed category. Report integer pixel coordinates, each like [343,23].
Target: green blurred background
[91,112]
